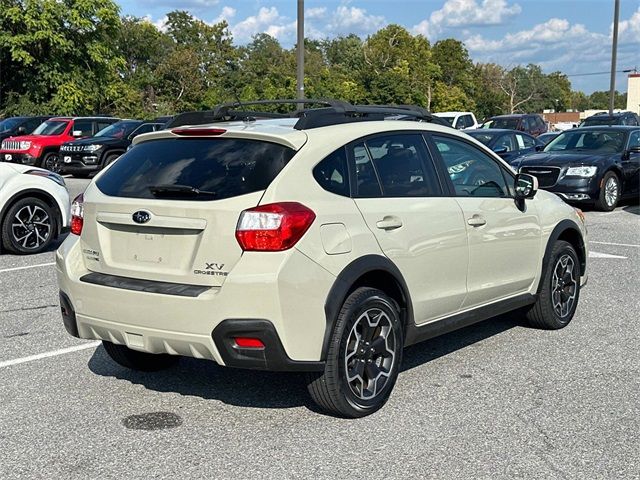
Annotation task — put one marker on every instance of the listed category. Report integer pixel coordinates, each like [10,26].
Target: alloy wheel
[370,354]
[52,163]
[611,191]
[31,227]
[564,286]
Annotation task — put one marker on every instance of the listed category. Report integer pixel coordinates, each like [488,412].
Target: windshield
[9,124]
[604,141]
[482,137]
[118,129]
[52,127]
[508,123]
[449,120]
[221,168]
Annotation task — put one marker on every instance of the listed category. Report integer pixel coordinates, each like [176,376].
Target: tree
[60,54]
[456,69]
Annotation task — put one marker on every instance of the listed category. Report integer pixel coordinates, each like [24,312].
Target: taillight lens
[77,214]
[273,227]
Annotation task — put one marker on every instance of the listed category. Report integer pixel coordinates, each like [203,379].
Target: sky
[571,36]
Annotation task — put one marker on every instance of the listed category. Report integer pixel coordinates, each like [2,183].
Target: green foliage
[80,57]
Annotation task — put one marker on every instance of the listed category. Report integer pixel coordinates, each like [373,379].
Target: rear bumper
[288,298]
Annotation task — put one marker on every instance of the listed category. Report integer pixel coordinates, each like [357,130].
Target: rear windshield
[213,168]
[600,120]
[482,137]
[506,123]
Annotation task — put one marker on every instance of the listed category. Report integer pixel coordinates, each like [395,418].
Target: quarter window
[332,173]
[472,172]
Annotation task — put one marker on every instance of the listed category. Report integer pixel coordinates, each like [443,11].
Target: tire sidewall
[7,234]
[351,314]
[559,250]
[56,162]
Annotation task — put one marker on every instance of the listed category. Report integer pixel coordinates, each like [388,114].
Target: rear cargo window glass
[195,169]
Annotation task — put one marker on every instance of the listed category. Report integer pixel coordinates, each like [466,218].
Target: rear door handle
[476,221]
[389,223]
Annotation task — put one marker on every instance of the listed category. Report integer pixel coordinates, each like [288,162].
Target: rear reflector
[77,215]
[248,342]
[198,132]
[273,227]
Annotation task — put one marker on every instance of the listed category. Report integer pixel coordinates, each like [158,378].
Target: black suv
[618,118]
[16,126]
[531,123]
[82,157]
[593,165]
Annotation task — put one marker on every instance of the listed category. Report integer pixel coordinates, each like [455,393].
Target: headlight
[50,175]
[581,171]
[92,148]
[26,145]
[460,167]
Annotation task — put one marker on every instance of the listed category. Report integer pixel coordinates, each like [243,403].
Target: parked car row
[76,145]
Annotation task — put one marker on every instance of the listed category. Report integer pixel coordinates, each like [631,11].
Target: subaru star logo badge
[141,216]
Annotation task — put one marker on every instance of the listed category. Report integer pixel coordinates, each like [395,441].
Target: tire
[29,226]
[51,162]
[609,193]
[135,360]
[549,312]
[332,390]
[112,157]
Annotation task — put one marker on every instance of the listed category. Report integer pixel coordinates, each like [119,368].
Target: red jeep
[41,147]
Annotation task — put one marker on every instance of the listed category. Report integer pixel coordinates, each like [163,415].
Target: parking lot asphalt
[495,400]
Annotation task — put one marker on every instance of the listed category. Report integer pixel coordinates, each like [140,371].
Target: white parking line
[616,244]
[15,269]
[593,254]
[54,353]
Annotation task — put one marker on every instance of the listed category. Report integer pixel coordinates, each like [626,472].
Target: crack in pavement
[26,309]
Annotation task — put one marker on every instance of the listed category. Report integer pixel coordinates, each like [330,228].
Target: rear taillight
[274,227]
[77,214]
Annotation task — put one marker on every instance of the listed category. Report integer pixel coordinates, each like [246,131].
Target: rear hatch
[167,210]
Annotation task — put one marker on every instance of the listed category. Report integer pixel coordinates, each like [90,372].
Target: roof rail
[332,112]
[227,112]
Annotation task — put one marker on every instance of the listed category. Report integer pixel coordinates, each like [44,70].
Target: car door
[400,196]
[504,241]
[631,164]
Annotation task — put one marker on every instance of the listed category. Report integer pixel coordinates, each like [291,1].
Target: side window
[403,165]
[366,181]
[472,172]
[146,128]
[468,121]
[506,141]
[85,127]
[102,125]
[525,141]
[634,139]
[332,173]
[32,124]
[460,123]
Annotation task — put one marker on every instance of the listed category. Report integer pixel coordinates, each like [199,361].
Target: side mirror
[539,148]
[77,133]
[22,131]
[500,150]
[526,186]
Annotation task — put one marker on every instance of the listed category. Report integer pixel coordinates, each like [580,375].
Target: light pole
[614,53]
[300,54]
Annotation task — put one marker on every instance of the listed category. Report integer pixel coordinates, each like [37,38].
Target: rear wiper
[177,190]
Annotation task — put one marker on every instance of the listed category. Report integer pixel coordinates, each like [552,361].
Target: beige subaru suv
[325,242]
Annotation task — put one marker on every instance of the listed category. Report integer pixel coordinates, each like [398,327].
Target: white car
[459,120]
[34,208]
[324,243]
